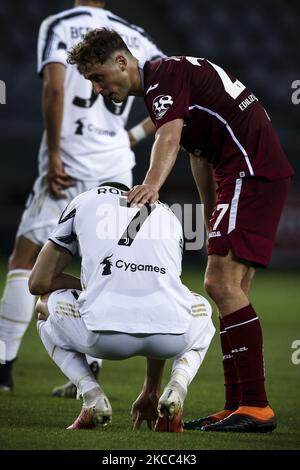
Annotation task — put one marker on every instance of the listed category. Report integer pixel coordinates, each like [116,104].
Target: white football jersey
[93,139]
[131,263]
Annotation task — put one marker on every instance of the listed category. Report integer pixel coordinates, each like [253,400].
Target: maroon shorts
[246,218]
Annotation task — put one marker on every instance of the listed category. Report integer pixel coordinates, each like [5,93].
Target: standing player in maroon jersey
[221,124]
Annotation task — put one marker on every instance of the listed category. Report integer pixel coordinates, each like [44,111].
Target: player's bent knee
[41,307]
[218,289]
[211,285]
[41,317]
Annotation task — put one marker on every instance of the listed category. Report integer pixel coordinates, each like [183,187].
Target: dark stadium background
[258,41]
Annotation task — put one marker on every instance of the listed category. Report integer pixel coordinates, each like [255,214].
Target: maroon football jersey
[223,120]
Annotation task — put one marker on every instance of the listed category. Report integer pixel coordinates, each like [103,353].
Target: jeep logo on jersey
[107,266]
[161,104]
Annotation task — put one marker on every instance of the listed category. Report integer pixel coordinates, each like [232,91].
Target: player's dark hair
[120,186]
[96,46]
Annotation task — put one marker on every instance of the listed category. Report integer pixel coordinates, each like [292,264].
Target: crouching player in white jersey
[129,301]
[85,143]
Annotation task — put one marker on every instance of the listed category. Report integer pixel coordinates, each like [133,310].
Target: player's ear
[122,61]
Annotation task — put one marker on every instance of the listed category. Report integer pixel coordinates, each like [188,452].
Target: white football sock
[91,359]
[185,367]
[90,398]
[16,310]
[74,365]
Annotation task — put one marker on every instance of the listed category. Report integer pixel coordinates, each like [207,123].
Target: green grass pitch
[31,419]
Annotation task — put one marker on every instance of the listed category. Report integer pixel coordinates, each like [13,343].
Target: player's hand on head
[58,180]
[142,194]
[144,408]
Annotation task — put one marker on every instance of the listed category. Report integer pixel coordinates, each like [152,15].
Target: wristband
[138,132]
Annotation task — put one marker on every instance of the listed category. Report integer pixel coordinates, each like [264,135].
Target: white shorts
[42,211]
[67,329]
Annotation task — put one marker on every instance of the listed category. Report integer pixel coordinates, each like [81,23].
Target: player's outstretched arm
[47,274]
[163,156]
[144,408]
[53,109]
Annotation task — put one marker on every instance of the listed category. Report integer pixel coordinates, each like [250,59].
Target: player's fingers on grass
[133,414]
[137,422]
[150,424]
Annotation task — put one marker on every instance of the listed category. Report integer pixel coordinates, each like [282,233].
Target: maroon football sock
[231,382]
[245,337]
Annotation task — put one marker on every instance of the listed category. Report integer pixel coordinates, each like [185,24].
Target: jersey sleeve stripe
[50,32]
[60,246]
[155,57]
[238,143]
[64,218]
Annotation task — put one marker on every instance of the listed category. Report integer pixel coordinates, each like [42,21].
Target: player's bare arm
[141,131]
[53,106]
[202,173]
[144,408]
[47,274]
[163,156]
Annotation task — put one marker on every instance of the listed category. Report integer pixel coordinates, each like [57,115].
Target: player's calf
[24,254]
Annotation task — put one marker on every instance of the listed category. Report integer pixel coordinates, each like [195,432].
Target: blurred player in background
[132,303]
[84,143]
[213,116]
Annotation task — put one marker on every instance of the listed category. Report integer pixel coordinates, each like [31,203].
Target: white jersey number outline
[223,208]
[234,89]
